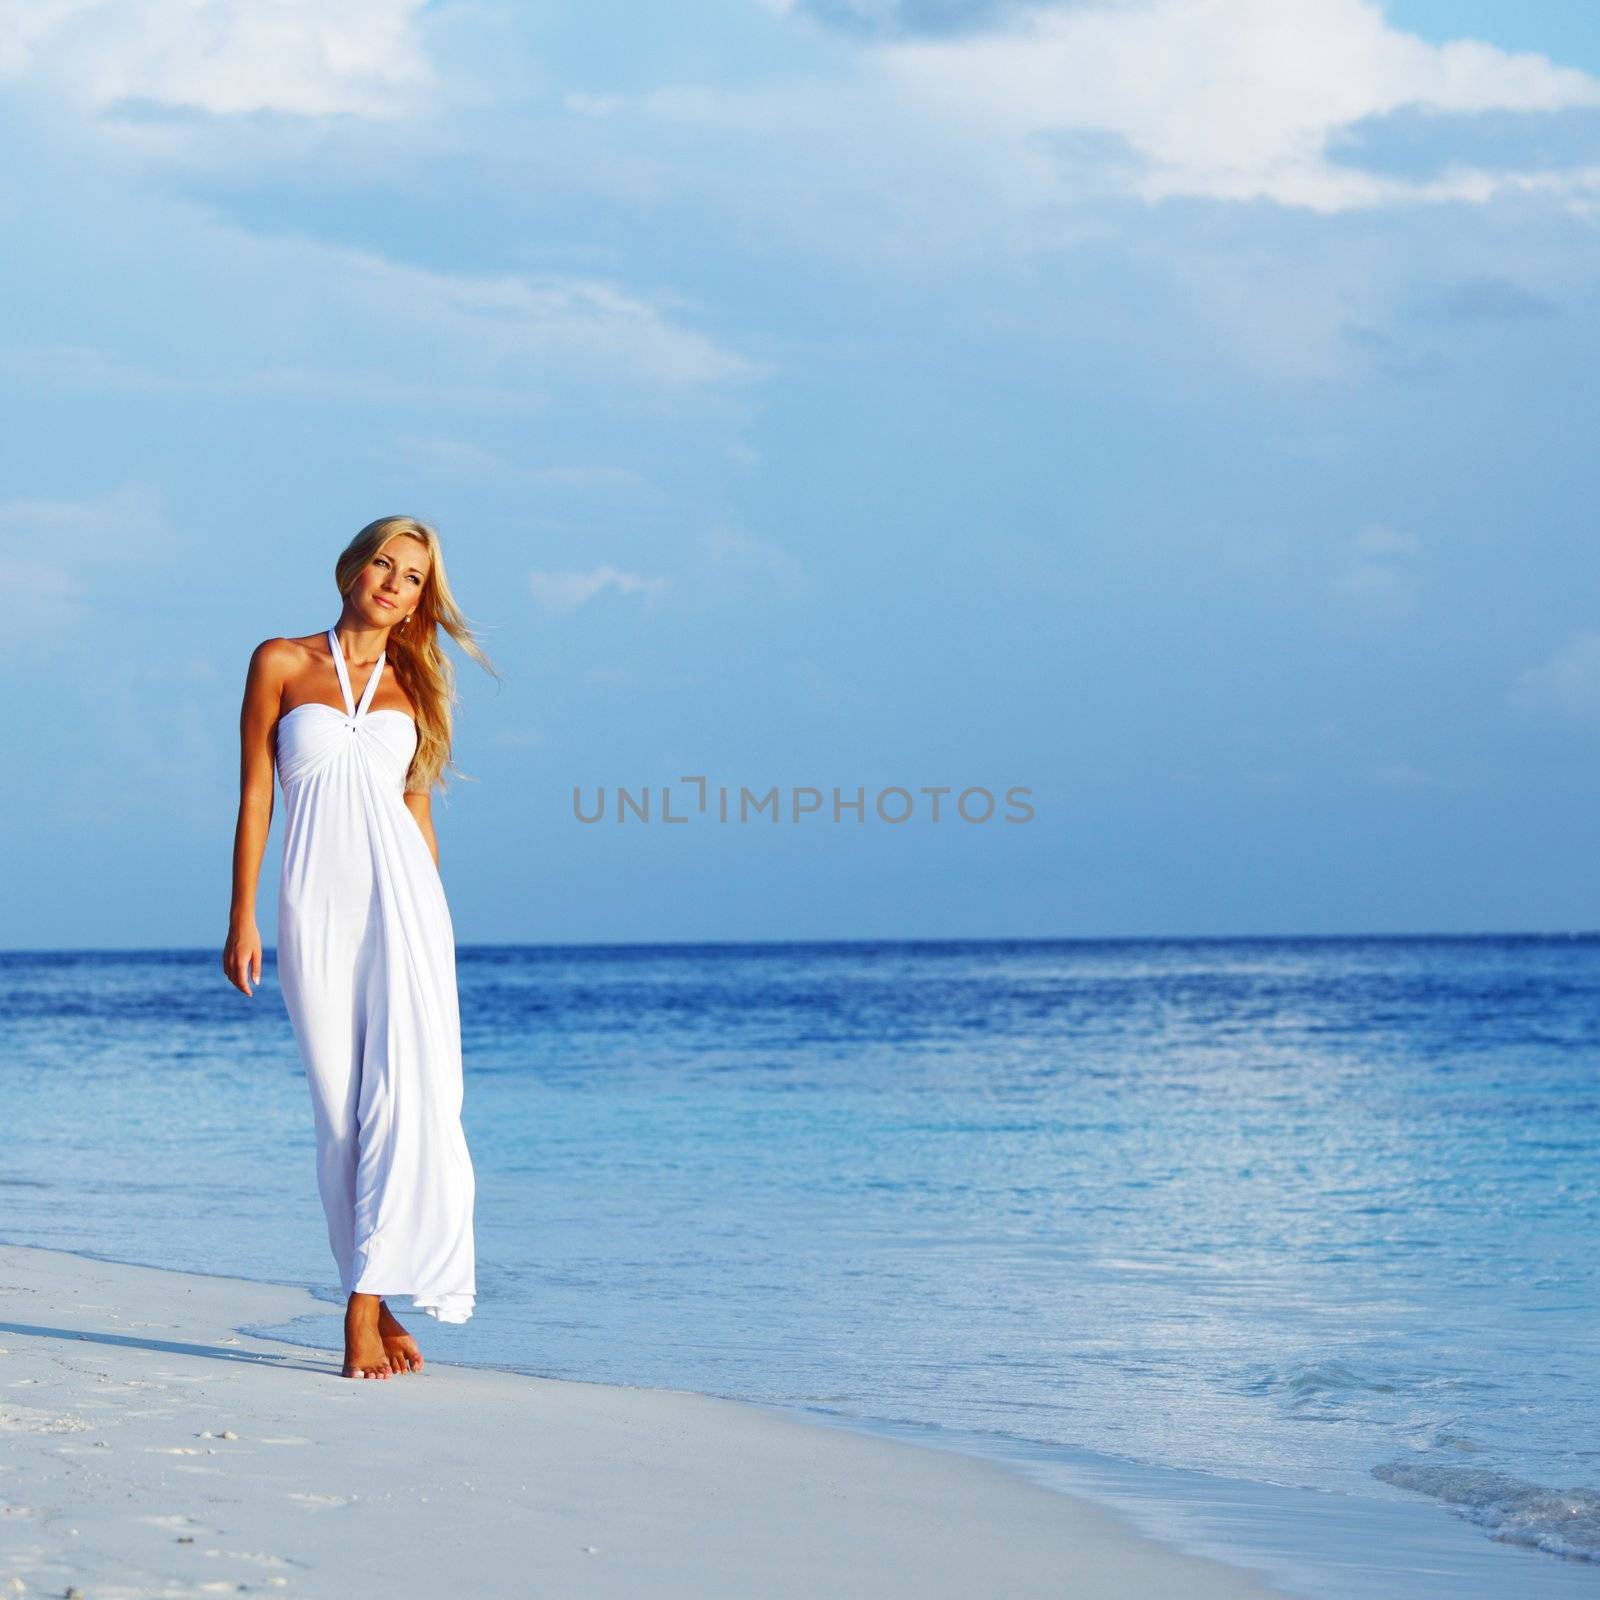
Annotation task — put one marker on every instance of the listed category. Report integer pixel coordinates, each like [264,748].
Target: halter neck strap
[352,710]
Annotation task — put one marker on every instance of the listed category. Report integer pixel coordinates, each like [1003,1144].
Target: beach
[153,1450]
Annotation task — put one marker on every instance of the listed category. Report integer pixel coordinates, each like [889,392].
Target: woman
[358,722]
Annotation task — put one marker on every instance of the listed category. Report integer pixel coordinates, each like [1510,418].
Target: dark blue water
[1307,1213]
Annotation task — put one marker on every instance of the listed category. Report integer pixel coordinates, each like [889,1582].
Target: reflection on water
[1307,1212]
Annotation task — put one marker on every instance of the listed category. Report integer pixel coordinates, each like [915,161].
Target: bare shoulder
[299,649]
[274,664]
[281,658]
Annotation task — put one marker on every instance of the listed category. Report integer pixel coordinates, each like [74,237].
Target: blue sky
[1175,407]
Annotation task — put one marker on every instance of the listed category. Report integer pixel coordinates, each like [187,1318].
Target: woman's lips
[388,603]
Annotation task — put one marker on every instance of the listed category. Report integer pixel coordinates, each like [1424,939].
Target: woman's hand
[241,956]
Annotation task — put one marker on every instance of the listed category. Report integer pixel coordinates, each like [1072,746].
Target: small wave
[1456,1441]
[1305,1379]
[1565,1522]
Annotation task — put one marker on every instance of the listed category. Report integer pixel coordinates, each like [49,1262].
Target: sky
[1171,408]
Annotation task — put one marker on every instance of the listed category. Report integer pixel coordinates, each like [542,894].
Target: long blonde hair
[412,652]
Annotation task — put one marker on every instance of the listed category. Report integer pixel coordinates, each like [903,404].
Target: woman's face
[391,583]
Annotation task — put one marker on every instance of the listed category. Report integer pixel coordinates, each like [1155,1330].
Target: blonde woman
[357,721]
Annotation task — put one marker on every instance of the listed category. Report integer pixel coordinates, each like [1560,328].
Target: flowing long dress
[367,965]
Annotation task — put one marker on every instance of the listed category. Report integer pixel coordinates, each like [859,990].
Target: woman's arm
[258,721]
[421,807]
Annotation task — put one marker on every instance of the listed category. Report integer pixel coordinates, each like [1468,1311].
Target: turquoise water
[1310,1220]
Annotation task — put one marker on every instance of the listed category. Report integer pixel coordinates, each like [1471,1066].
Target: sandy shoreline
[150,1450]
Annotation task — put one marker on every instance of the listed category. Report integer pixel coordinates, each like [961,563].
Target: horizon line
[876,941]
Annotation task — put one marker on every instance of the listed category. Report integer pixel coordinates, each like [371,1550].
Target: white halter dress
[367,965]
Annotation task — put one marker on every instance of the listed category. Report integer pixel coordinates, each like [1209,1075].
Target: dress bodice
[314,734]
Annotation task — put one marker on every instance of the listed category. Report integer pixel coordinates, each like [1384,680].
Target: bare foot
[404,1356]
[364,1354]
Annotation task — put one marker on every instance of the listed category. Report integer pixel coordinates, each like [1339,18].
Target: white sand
[147,1449]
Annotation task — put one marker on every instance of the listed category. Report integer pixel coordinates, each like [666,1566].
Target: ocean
[1285,1247]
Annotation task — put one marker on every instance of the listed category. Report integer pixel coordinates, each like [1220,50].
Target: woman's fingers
[242,966]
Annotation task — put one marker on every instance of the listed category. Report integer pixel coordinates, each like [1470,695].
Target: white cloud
[1270,778]
[454,458]
[733,567]
[121,524]
[1400,775]
[302,57]
[1373,588]
[462,458]
[576,315]
[817,687]
[568,591]
[1233,99]
[521,738]
[504,328]
[747,557]
[47,598]
[83,367]
[1567,682]
[1387,542]
[246,314]
[1378,577]
[57,552]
